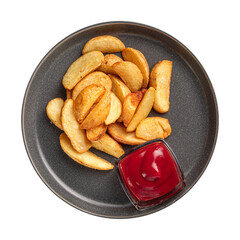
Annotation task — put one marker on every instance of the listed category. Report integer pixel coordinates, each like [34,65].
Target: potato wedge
[108,61]
[130,105]
[87,159]
[85,100]
[99,113]
[53,109]
[153,127]
[160,79]
[115,110]
[119,88]
[119,133]
[71,127]
[81,67]
[130,74]
[108,145]
[143,109]
[105,44]
[68,94]
[136,57]
[98,78]
[94,134]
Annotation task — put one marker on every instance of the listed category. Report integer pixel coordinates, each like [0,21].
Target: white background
[29,29]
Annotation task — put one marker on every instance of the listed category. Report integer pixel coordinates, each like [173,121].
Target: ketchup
[151,173]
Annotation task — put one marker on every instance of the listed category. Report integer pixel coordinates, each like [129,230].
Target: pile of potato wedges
[108,100]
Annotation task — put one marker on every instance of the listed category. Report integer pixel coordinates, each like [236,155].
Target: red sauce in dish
[151,172]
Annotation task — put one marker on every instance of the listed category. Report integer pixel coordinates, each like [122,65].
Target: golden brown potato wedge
[119,88]
[136,57]
[108,61]
[94,134]
[130,74]
[118,132]
[53,109]
[71,127]
[105,44]
[160,79]
[87,159]
[99,113]
[68,94]
[130,105]
[115,110]
[143,109]
[81,67]
[98,78]
[85,100]
[109,145]
[153,127]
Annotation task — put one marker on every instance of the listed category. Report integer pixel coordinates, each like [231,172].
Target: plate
[193,116]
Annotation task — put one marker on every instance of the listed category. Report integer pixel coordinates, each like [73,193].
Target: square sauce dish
[150,174]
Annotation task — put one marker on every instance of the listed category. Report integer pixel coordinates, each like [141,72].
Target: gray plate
[193,116]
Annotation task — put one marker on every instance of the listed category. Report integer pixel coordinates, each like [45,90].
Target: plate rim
[106,24]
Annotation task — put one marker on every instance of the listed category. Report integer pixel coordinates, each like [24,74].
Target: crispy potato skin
[81,67]
[115,110]
[119,133]
[95,134]
[53,109]
[104,43]
[143,109]
[98,78]
[108,145]
[136,57]
[99,113]
[71,127]
[130,105]
[167,130]
[68,94]
[108,61]
[85,100]
[87,159]
[160,79]
[153,127]
[130,74]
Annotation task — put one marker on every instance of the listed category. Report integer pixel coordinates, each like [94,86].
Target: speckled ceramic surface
[193,116]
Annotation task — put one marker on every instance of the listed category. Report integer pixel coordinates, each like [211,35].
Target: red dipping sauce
[150,174]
